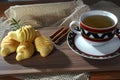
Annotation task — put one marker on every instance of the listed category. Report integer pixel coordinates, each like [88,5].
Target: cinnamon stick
[62,36]
[59,34]
[54,34]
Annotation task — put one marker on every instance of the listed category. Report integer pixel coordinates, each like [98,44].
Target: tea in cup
[96,26]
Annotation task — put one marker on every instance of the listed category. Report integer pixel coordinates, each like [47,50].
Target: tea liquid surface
[98,21]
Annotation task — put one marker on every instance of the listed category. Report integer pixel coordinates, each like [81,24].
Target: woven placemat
[57,76]
[3,27]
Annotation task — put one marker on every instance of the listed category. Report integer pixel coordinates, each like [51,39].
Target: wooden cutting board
[62,59]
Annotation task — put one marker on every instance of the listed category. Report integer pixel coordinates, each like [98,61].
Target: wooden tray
[62,59]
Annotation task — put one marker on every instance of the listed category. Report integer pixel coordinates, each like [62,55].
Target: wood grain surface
[62,59]
[105,75]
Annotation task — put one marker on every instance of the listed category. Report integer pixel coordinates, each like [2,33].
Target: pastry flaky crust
[24,51]
[8,46]
[43,45]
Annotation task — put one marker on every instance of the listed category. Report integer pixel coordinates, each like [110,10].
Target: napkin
[42,15]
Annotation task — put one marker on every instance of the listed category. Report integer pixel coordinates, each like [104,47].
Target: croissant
[13,35]
[8,46]
[31,33]
[24,51]
[25,33]
[43,45]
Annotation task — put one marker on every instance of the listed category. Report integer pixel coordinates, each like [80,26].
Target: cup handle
[118,33]
[72,26]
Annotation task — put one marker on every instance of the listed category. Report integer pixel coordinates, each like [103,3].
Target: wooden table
[109,69]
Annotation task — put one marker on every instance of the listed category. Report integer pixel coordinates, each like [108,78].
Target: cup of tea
[96,26]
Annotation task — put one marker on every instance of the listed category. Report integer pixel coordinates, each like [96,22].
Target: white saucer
[80,46]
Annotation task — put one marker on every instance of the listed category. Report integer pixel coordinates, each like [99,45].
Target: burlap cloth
[101,5]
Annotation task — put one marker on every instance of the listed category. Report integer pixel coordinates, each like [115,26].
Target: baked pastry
[43,45]
[8,46]
[25,33]
[22,40]
[24,51]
